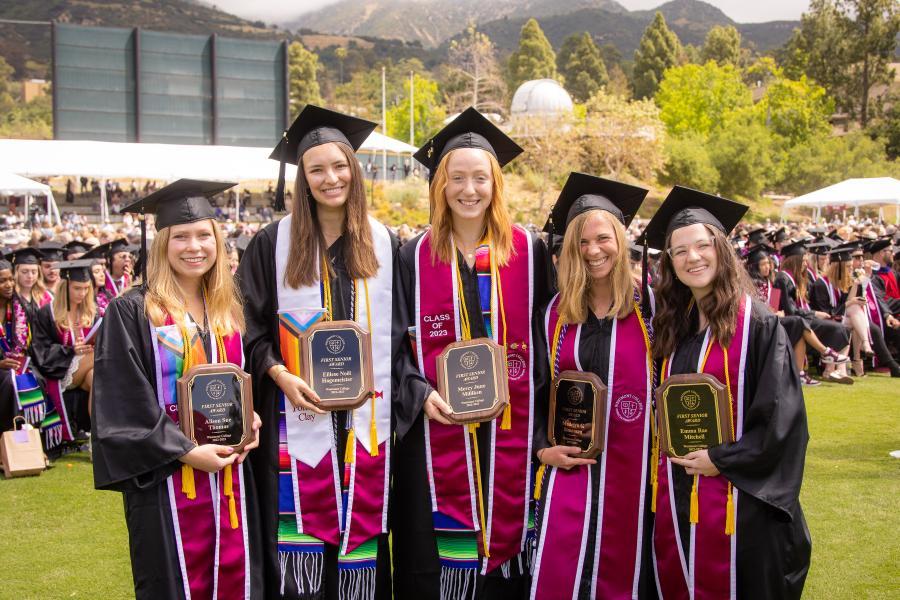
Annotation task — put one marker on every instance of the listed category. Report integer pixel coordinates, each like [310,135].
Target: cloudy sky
[742,11]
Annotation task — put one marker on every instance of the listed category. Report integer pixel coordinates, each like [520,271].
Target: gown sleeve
[136,445]
[52,357]
[544,289]
[767,462]
[256,275]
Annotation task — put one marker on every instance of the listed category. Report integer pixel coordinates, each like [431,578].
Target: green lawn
[61,539]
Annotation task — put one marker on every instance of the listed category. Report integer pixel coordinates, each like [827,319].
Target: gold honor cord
[539,478]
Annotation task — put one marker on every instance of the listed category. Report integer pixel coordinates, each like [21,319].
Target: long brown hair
[720,306]
[574,282]
[840,275]
[307,237]
[793,265]
[498,226]
[166,297]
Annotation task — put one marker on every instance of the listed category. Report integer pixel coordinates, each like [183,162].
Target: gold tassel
[695,504]
[506,423]
[654,466]
[229,493]
[729,513]
[187,482]
[373,431]
[349,453]
[539,484]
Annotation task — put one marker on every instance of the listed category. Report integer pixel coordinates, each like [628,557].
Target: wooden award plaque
[336,362]
[578,412]
[471,377]
[215,405]
[692,413]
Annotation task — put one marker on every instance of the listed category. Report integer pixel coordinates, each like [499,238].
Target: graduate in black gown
[595,325]
[326,261]
[19,391]
[190,509]
[472,275]
[736,528]
[29,279]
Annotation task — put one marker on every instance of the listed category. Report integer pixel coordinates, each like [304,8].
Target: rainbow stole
[708,569]
[508,511]
[316,504]
[213,555]
[616,550]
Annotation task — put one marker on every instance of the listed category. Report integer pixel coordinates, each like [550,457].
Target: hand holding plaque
[215,405]
[471,378]
[693,413]
[336,362]
[578,412]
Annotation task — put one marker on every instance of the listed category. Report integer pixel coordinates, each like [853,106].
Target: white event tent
[872,191]
[16,185]
[163,162]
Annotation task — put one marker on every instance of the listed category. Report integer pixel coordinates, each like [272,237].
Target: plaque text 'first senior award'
[215,405]
[472,380]
[693,413]
[336,359]
[578,412]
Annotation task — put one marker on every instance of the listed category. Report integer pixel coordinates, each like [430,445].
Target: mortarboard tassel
[729,512]
[229,493]
[187,481]
[279,189]
[539,481]
[645,274]
[695,503]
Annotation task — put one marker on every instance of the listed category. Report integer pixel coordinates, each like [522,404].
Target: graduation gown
[15,338]
[257,279]
[793,325]
[765,465]
[417,567]
[832,334]
[136,446]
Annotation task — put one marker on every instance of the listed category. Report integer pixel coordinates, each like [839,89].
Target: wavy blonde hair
[165,296]
[37,290]
[61,310]
[498,227]
[574,281]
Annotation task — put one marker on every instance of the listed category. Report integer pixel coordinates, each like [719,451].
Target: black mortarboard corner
[794,249]
[25,256]
[821,246]
[52,252]
[76,247]
[877,245]
[833,234]
[583,193]
[315,126]
[779,235]
[757,236]
[681,208]
[470,129]
[757,253]
[180,202]
[75,270]
[843,252]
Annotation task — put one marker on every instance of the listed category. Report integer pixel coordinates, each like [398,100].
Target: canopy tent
[879,191]
[164,162]
[15,185]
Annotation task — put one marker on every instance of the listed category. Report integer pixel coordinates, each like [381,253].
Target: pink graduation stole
[563,543]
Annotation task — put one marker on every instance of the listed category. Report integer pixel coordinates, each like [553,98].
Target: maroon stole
[708,570]
[563,543]
[449,455]
[872,306]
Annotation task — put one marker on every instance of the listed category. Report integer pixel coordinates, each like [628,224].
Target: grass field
[62,539]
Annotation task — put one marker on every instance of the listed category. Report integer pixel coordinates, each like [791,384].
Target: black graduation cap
[757,236]
[583,193]
[822,246]
[25,256]
[52,252]
[106,251]
[76,270]
[636,251]
[470,129]
[76,247]
[684,206]
[877,245]
[817,231]
[843,252]
[757,253]
[315,126]
[779,235]
[794,249]
[833,234]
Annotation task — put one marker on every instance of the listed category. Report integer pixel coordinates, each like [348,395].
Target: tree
[796,110]
[341,54]
[303,70]
[828,160]
[6,100]
[534,58]
[887,128]
[688,163]
[428,111]
[872,38]
[741,150]
[722,45]
[696,98]
[580,63]
[658,50]
[473,74]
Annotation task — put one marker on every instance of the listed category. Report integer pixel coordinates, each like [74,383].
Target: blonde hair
[61,306]
[840,276]
[165,296]
[498,227]
[573,279]
[38,289]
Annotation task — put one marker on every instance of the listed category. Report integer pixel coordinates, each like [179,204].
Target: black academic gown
[416,564]
[136,446]
[832,334]
[793,325]
[8,402]
[766,465]
[256,276]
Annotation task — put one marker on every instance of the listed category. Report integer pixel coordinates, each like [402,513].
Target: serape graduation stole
[565,548]
[708,568]
[209,510]
[55,426]
[486,527]
[15,337]
[318,504]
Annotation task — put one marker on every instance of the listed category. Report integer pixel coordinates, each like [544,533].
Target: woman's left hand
[257,423]
[697,463]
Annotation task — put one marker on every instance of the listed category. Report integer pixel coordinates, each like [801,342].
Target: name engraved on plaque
[215,405]
[578,412]
[693,414]
[472,380]
[337,359]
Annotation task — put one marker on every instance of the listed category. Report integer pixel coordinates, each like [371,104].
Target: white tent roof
[16,185]
[167,162]
[852,192]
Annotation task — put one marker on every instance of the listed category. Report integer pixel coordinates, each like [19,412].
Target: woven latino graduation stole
[316,503]
[564,547]
[480,527]
[209,510]
[708,569]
